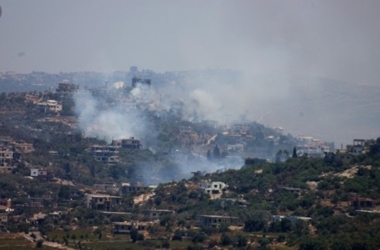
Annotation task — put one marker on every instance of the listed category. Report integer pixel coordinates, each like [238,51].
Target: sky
[324,38]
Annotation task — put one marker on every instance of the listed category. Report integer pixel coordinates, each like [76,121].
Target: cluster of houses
[10,153]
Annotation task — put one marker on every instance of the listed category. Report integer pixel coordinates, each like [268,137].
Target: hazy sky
[332,38]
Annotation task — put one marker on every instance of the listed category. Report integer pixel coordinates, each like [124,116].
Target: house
[292,219]
[41,174]
[237,147]
[105,153]
[126,226]
[49,106]
[65,86]
[309,151]
[127,188]
[107,187]
[6,156]
[215,220]
[360,146]
[139,81]
[6,205]
[225,202]
[290,190]
[102,201]
[215,189]
[3,217]
[24,147]
[131,143]
[157,213]
[361,202]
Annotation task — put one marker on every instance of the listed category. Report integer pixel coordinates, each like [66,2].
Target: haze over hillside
[311,67]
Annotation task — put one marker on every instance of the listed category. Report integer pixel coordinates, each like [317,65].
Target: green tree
[39,243]
[216,152]
[294,152]
[134,235]
[225,240]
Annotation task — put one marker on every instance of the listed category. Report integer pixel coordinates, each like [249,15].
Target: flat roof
[218,216]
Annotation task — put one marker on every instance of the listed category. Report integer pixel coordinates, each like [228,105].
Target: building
[126,226]
[102,201]
[361,202]
[309,151]
[215,189]
[216,220]
[6,205]
[127,188]
[3,217]
[107,187]
[292,219]
[24,147]
[41,174]
[360,146]
[105,153]
[157,213]
[290,190]
[65,86]
[131,143]
[138,80]
[6,156]
[226,202]
[50,106]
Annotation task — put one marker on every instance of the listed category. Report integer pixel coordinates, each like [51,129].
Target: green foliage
[39,243]
[226,240]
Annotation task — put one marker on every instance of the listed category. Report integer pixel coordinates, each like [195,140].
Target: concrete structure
[138,80]
[292,219]
[361,202]
[290,190]
[35,172]
[310,151]
[6,205]
[24,147]
[126,226]
[215,220]
[104,153]
[360,146]
[50,105]
[4,217]
[226,202]
[127,188]
[107,187]
[65,86]
[6,157]
[157,213]
[131,143]
[215,189]
[102,201]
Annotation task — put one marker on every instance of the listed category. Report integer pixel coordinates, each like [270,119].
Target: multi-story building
[6,157]
[216,220]
[105,153]
[157,213]
[215,189]
[131,143]
[102,201]
[126,226]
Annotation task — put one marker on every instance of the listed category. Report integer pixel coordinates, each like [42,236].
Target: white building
[215,189]
[35,172]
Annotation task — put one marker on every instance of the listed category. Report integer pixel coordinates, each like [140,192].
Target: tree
[242,240]
[225,240]
[134,235]
[294,152]
[216,152]
[208,155]
[39,243]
